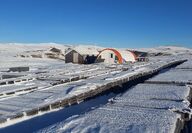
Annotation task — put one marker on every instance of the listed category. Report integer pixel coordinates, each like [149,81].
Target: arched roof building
[128,56]
[111,56]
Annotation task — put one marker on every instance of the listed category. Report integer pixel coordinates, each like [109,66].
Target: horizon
[120,24]
[67,44]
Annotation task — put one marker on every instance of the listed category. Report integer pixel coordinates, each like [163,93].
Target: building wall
[69,57]
[108,56]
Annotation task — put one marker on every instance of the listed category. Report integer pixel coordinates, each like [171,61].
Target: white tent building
[113,56]
[128,56]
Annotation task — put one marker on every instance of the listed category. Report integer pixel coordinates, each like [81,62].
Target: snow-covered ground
[144,108]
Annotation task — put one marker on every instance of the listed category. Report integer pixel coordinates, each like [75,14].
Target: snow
[172,50]
[46,93]
[144,107]
[155,96]
[186,65]
[13,88]
[177,75]
[86,51]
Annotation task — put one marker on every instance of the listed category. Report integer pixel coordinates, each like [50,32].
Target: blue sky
[109,23]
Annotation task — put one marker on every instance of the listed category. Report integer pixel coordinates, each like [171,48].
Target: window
[111,55]
[116,58]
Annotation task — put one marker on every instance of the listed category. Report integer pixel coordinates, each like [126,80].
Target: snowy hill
[21,49]
[166,50]
[22,54]
[42,50]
